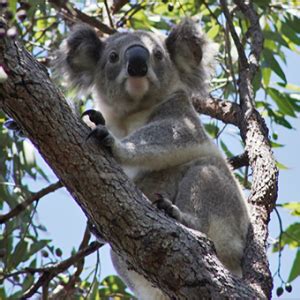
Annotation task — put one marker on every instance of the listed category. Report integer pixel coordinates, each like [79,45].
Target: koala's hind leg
[211,201]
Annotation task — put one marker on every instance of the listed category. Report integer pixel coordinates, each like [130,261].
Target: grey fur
[156,133]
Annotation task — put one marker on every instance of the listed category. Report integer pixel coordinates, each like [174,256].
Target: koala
[143,85]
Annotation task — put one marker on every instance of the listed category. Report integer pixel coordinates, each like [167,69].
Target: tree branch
[50,272]
[265,173]
[136,230]
[240,49]
[34,197]
[66,291]
[225,111]
[255,32]
[74,15]
[239,161]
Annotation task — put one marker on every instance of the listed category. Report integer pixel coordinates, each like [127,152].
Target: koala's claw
[94,116]
[100,132]
[166,205]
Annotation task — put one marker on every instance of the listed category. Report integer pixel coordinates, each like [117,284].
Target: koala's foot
[166,205]
[95,116]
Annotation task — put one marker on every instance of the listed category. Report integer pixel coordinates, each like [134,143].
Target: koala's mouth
[137,87]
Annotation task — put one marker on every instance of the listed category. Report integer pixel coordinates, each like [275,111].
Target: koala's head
[136,70]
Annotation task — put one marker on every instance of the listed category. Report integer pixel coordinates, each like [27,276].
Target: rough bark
[134,228]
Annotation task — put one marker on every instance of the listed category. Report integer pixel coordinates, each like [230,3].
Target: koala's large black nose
[137,61]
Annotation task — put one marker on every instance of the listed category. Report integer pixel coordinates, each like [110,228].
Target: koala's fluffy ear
[193,55]
[78,56]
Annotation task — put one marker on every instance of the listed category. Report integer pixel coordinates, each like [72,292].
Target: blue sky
[66,223]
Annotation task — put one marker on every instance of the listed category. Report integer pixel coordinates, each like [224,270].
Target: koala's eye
[113,57]
[158,54]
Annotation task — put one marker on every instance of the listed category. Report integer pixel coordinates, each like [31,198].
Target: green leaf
[17,295]
[280,165]
[2,293]
[113,285]
[266,75]
[295,271]
[282,101]
[282,121]
[290,237]
[290,33]
[27,283]
[272,63]
[42,173]
[213,32]
[94,294]
[278,118]
[293,207]
[276,145]
[20,251]
[226,150]
[257,81]
[262,3]
[35,247]
[212,129]
[293,21]
[289,86]
[275,36]
[13,6]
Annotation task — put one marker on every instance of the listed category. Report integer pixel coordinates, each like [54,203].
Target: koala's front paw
[100,132]
[166,205]
[103,136]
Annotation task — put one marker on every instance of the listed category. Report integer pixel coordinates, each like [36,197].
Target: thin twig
[255,32]
[95,274]
[240,49]
[50,272]
[108,14]
[80,264]
[74,278]
[34,197]
[212,14]
[73,14]
[230,62]
[279,244]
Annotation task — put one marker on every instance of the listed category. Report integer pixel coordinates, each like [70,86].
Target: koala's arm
[158,145]
[171,139]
